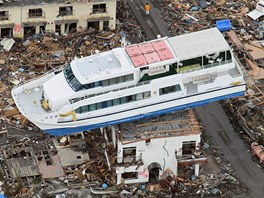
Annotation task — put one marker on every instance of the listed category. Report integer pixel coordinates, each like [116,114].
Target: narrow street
[152,24]
[212,116]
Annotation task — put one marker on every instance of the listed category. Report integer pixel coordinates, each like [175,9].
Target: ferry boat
[133,82]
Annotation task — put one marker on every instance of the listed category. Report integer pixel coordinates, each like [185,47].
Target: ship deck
[29,101]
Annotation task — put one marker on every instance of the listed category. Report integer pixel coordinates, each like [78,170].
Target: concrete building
[148,148]
[21,18]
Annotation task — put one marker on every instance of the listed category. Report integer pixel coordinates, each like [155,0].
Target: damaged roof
[174,124]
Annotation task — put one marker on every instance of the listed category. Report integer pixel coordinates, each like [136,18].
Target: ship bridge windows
[76,85]
[113,102]
[71,79]
[170,89]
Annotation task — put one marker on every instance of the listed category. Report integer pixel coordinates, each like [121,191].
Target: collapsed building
[25,18]
[145,150]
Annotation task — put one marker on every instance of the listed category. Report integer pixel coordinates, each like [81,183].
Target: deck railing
[215,64]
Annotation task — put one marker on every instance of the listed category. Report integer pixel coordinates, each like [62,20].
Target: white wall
[160,150]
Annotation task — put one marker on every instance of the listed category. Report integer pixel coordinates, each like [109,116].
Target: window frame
[4,15]
[64,12]
[33,13]
[100,8]
[166,90]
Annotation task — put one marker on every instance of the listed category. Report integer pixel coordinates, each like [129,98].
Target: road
[152,24]
[217,125]
[212,116]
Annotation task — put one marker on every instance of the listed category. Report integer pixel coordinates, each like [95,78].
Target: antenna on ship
[123,40]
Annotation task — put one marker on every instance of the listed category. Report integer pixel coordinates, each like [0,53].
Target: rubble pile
[127,25]
[185,16]
[54,165]
[247,113]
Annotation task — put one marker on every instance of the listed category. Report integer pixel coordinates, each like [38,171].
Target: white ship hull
[62,126]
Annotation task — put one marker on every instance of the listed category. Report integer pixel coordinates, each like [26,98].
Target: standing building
[21,18]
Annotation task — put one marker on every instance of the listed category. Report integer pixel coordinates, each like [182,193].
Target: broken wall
[159,150]
[82,13]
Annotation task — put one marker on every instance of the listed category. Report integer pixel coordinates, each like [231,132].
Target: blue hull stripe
[65,131]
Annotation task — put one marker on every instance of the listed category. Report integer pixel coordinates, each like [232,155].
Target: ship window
[146,95]
[123,100]
[129,77]
[75,84]
[131,98]
[120,79]
[71,79]
[96,84]
[104,104]
[84,109]
[92,107]
[116,101]
[92,85]
[109,103]
[112,81]
[99,105]
[228,55]
[78,110]
[139,96]
[105,83]
[170,89]
[221,57]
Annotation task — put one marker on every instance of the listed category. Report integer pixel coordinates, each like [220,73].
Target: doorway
[154,170]
[6,32]
[29,31]
[70,27]
[93,24]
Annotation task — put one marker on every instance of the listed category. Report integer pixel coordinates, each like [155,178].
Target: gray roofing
[199,43]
